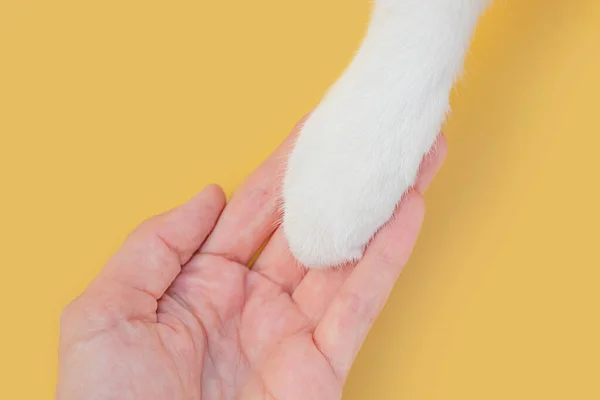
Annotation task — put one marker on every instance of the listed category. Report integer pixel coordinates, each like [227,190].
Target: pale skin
[177,314]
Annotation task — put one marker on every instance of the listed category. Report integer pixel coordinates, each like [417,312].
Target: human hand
[176,313]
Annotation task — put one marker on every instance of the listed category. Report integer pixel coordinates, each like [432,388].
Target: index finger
[152,256]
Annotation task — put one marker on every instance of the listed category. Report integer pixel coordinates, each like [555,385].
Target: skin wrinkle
[242,357]
[302,328]
[339,379]
[140,291]
[172,360]
[172,250]
[191,310]
[187,307]
[275,284]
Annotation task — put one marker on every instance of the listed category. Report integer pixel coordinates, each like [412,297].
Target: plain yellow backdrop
[113,111]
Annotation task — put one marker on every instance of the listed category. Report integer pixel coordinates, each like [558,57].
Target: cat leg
[360,149]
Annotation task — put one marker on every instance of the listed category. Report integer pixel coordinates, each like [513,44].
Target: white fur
[361,148]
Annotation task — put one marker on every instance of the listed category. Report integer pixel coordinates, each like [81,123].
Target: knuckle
[358,307]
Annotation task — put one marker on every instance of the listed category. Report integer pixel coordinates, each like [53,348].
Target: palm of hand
[177,314]
[242,335]
[220,332]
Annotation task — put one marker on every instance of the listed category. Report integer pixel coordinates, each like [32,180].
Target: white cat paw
[342,185]
[361,149]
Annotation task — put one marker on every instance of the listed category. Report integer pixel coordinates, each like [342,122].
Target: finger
[152,256]
[345,325]
[431,164]
[314,294]
[253,214]
[277,264]
[316,291]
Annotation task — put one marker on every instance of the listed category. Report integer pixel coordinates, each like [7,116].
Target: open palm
[177,314]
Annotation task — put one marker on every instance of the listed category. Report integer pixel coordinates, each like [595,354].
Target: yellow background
[115,110]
